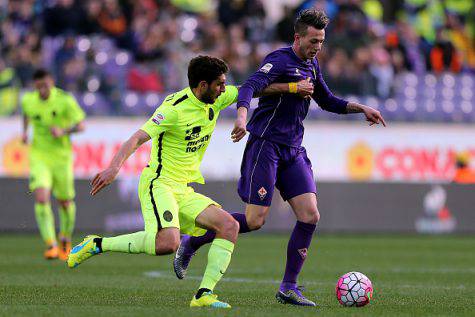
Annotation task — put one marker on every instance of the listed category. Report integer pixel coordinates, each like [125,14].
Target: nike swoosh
[130,243]
[188,124]
[222,272]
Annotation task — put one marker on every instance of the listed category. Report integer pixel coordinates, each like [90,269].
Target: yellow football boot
[83,251]
[208,299]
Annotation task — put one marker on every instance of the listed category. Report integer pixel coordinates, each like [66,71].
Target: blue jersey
[279,118]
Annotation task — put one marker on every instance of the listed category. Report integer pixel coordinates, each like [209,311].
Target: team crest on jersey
[211,114]
[266,68]
[303,253]
[297,72]
[158,118]
[262,193]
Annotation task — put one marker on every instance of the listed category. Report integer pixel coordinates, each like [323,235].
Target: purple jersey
[279,118]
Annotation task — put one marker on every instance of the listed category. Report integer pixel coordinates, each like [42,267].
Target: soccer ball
[354,289]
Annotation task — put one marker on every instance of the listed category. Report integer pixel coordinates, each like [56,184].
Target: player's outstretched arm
[373,116]
[107,176]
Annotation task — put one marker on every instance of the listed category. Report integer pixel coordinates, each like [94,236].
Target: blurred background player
[54,115]
[274,155]
[181,129]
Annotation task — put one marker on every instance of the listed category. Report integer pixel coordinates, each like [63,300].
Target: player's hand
[239,130]
[57,132]
[103,179]
[305,88]
[373,116]
[24,138]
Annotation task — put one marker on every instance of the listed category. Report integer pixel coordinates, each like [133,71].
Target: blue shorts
[266,164]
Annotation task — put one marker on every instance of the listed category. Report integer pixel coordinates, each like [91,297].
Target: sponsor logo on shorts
[266,68]
[262,193]
[303,253]
[167,215]
[158,118]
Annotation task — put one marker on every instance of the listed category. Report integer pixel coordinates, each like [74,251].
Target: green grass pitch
[411,275]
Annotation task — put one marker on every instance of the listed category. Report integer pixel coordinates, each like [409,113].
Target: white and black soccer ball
[354,289]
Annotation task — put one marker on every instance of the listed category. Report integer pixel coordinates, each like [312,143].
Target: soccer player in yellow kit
[54,115]
[180,130]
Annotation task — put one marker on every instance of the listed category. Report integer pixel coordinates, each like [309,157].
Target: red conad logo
[408,163]
[416,163]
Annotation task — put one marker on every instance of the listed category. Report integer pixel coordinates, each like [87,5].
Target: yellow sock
[45,220]
[138,242]
[219,256]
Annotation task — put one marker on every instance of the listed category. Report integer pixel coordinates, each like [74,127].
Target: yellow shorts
[166,203]
[54,174]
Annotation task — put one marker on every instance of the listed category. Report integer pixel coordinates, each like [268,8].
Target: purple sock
[197,242]
[296,253]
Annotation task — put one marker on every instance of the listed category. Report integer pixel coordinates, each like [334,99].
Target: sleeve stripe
[180,100]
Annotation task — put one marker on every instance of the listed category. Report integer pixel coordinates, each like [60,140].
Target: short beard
[207,97]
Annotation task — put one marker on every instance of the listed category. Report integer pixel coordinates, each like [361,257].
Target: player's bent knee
[313,216]
[42,193]
[232,226]
[228,229]
[316,218]
[41,200]
[164,249]
[64,203]
[166,243]
[173,246]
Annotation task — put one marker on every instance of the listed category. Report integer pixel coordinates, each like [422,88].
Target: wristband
[293,88]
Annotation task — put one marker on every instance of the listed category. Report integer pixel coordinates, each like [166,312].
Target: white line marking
[392,285]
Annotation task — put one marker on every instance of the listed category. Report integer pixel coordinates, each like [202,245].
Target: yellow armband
[293,88]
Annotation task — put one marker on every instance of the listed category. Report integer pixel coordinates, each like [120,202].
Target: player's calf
[256,216]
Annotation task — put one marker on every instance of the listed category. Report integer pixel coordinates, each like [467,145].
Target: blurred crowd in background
[116,55]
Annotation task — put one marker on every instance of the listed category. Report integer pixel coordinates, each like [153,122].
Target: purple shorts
[266,164]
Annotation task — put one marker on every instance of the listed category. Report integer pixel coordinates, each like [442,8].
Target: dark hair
[206,68]
[310,17]
[40,74]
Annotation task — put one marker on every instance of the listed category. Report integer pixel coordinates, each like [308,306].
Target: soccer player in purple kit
[274,156]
